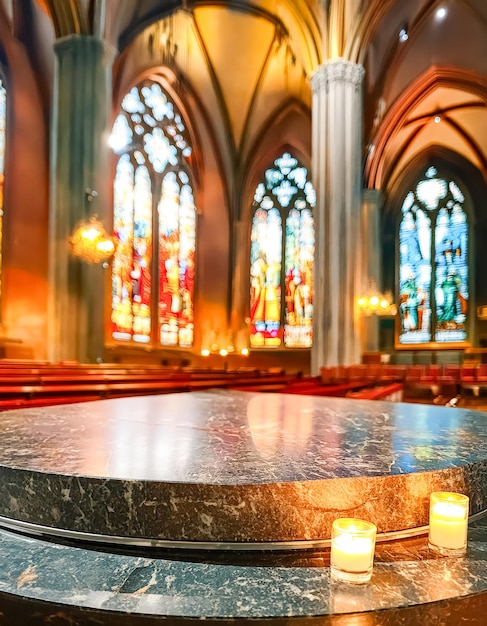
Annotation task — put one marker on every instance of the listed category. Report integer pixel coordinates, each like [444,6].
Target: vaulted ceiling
[425,60]
[426,85]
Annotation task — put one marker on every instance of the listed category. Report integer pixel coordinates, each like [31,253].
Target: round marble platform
[42,583]
[226,467]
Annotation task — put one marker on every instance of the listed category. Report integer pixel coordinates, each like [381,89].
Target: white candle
[352,550]
[448,521]
[351,553]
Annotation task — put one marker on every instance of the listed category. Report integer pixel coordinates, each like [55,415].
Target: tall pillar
[370,262]
[241,287]
[79,165]
[337,147]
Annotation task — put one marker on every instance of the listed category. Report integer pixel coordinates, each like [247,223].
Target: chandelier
[372,302]
[91,243]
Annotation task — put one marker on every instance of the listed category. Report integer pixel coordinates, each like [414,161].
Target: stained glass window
[281,257]
[154,210]
[433,263]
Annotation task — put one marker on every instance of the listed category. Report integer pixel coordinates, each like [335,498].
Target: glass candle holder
[448,523]
[352,550]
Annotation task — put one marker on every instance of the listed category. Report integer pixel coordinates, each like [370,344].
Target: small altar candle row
[353,540]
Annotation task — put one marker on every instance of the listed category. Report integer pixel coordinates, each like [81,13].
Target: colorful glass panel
[123,220]
[142,257]
[286,196]
[177,242]
[299,279]
[187,246]
[433,263]
[265,272]
[152,139]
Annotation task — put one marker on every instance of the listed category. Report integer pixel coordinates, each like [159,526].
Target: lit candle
[352,550]
[448,522]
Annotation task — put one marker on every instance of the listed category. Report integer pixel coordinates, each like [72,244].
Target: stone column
[337,146]
[79,165]
[370,262]
[241,286]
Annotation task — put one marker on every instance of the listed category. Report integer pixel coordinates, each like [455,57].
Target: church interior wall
[25,230]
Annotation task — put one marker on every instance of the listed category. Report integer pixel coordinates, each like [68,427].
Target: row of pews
[428,381]
[35,384]
[40,383]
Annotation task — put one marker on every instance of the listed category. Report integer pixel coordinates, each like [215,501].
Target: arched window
[281,257]
[433,262]
[154,221]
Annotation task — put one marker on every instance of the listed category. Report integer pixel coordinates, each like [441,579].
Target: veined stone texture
[229,466]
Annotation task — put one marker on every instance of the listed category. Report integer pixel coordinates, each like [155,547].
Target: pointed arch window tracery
[282,257]
[154,221]
[433,262]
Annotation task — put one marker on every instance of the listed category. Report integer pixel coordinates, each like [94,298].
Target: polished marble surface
[229,466]
[415,587]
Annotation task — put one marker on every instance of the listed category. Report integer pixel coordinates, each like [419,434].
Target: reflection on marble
[128,587]
[236,466]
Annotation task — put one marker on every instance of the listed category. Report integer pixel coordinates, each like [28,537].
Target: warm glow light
[448,524]
[352,550]
[91,243]
[375,303]
[244,352]
[90,234]
[205,352]
[441,13]
[223,352]
[107,246]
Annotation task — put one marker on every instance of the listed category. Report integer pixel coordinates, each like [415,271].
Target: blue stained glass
[132,102]
[286,163]
[273,177]
[121,135]
[159,150]
[285,192]
[139,157]
[259,192]
[148,119]
[433,263]
[299,175]
[310,194]
[457,194]
[157,101]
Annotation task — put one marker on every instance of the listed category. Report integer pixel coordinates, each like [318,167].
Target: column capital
[73,42]
[337,71]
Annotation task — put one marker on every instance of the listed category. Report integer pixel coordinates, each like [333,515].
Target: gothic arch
[470,82]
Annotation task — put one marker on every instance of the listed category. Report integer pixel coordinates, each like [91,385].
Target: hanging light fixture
[372,302]
[91,243]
